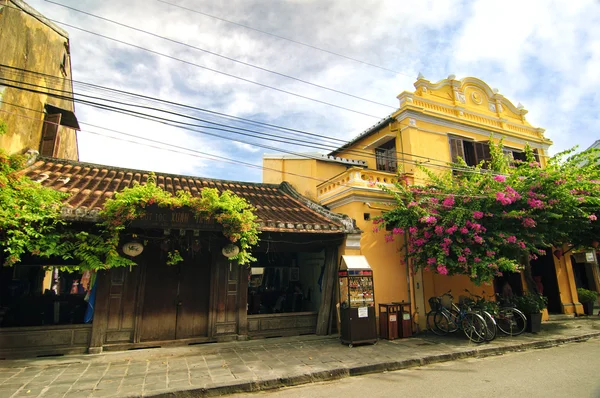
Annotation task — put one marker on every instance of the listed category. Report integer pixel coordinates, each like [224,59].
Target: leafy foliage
[30,220]
[483,222]
[530,303]
[586,296]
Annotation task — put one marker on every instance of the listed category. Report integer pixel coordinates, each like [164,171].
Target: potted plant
[531,304]
[587,298]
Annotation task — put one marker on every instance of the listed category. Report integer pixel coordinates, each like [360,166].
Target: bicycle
[487,310]
[446,321]
[510,320]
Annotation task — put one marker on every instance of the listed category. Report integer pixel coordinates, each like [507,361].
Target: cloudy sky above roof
[543,54]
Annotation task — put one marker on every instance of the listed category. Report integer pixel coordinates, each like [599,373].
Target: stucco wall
[34,45]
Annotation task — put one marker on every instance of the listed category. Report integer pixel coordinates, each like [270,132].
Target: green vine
[31,224]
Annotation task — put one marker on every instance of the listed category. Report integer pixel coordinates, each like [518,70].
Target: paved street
[564,371]
[245,366]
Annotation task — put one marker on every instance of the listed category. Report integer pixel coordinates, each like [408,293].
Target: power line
[286,38]
[351,151]
[192,127]
[210,69]
[222,56]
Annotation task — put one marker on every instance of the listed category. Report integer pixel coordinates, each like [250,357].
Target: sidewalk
[223,368]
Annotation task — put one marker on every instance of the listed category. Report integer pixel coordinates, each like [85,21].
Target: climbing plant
[30,220]
[482,222]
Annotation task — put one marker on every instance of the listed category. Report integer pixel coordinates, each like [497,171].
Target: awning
[67,119]
[354,262]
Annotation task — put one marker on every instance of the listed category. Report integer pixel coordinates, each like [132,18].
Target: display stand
[357,301]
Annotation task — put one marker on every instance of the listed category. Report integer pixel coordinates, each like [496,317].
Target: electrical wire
[353,151]
[209,69]
[221,56]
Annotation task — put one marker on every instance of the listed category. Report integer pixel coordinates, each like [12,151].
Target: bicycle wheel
[474,327]
[490,324]
[454,317]
[511,321]
[442,322]
[431,324]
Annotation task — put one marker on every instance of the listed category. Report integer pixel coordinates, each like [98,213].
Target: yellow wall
[389,273]
[27,43]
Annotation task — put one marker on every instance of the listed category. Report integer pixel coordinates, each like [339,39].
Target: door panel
[159,317]
[194,293]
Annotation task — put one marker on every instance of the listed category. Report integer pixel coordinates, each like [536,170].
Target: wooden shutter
[482,153]
[456,148]
[50,138]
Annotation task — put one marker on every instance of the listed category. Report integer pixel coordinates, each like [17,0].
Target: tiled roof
[278,207]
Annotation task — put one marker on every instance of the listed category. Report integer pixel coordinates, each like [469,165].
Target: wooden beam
[329,278]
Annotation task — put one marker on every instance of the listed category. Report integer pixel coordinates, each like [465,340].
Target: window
[385,157]
[470,151]
[474,152]
[50,137]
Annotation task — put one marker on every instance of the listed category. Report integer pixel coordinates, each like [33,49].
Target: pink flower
[449,201]
[478,239]
[535,203]
[464,230]
[477,215]
[462,259]
[593,217]
[467,250]
[431,261]
[420,242]
[389,238]
[451,230]
[412,230]
[439,230]
[528,223]
[500,178]
[398,231]
[447,241]
[375,229]
[511,239]
[429,220]
[442,270]
[521,245]
[411,204]
[477,259]
[490,253]
[502,198]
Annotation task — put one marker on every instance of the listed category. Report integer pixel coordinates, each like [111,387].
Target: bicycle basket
[446,301]
[434,303]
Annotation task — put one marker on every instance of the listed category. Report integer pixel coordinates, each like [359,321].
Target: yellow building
[36,90]
[433,125]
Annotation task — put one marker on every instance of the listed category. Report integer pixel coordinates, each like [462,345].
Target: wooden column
[243,300]
[329,278]
[100,322]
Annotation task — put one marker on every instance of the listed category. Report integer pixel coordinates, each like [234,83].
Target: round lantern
[133,249]
[230,250]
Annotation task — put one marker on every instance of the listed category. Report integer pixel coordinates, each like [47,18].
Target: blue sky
[543,54]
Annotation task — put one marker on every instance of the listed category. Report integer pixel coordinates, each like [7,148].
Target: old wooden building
[204,298]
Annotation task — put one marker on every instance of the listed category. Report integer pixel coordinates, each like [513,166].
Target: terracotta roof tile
[278,207]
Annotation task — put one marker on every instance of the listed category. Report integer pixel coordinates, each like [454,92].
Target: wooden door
[176,300]
[193,299]
[159,316]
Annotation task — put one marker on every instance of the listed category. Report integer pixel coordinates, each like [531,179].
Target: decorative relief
[460,96]
[412,122]
[476,97]
[492,107]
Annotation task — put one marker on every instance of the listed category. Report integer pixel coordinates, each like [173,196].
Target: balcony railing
[356,178]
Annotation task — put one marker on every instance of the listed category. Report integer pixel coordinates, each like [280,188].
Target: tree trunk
[531,285]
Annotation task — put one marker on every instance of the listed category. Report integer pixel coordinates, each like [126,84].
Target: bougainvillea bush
[485,220]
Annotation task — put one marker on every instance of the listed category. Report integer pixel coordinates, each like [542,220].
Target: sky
[543,54]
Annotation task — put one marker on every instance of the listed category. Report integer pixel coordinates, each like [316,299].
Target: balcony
[358,181]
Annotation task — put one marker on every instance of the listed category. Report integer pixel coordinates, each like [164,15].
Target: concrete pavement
[224,368]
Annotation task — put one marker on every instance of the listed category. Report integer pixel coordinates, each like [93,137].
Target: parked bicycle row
[478,318]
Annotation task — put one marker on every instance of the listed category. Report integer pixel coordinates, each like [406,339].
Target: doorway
[543,271]
[176,300]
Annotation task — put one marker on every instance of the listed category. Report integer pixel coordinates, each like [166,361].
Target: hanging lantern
[196,246]
[595,244]
[133,249]
[230,250]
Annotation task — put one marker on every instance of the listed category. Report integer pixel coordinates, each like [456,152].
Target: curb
[340,373]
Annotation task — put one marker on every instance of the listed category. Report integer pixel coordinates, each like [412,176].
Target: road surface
[571,370]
